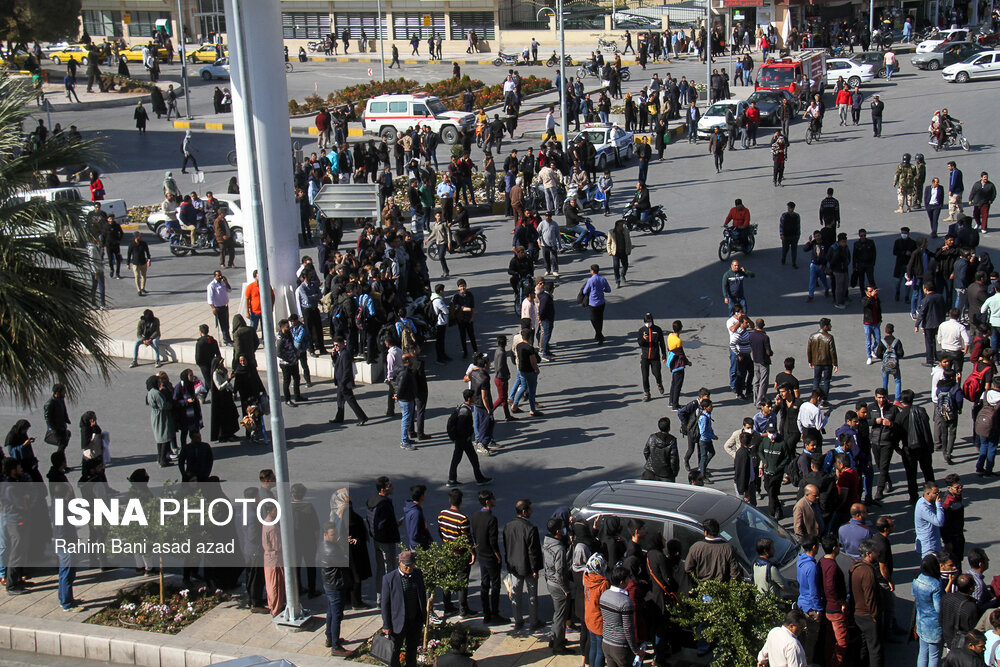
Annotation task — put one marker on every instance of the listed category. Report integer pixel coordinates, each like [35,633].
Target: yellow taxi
[133,54]
[77,51]
[206,54]
[14,61]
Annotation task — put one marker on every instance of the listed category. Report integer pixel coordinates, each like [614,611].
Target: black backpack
[452,427]
[919,434]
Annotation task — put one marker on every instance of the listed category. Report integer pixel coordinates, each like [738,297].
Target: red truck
[786,73]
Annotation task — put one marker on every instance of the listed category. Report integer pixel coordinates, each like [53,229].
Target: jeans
[67,574]
[987,453]
[334,616]
[545,332]
[518,602]
[155,342]
[528,382]
[483,426]
[255,319]
[929,655]
[596,653]
[733,357]
[899,383]
[551,256]
[817,274]
[406,407]
[873,336]
[643,169]
[821,378]
[917,295]
[620,265]
[706,451]
[734,301]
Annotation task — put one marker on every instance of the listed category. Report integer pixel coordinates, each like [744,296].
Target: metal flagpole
[381,38]
[708,52]
[562,73]
[184,67]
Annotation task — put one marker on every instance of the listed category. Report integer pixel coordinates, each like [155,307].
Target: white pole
[871,17]
[708,52]
[271,244]
[562,73]
[381,38]
[184,67]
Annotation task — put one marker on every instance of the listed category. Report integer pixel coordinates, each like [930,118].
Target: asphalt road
[595,425]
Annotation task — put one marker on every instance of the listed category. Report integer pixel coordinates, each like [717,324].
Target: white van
[390,115]
[116,207]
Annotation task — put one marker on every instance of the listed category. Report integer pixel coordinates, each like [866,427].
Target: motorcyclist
[582,183]
[739,215]
[520,267]
[640,201]
[946,127]
[574,221]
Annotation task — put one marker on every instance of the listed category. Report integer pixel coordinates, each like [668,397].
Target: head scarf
[596,564]
[17,435]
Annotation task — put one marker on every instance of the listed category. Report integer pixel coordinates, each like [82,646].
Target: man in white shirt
[953,337]
[393,364]
[810,415]
[733,325]
[550,127]
[218,300]
[783,648]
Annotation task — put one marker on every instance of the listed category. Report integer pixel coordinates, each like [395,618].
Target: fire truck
[786,73]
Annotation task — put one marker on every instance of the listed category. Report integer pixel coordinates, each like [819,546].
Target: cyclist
[814,114]
[520,268]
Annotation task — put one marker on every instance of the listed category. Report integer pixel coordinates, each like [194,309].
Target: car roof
[695,503]
[840,60]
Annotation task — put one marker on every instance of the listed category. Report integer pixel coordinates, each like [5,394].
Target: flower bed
[437,644]
[137,214]
[140,609]
[449,90]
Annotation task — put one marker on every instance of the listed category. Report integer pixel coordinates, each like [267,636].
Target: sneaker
[134,364]
[407,446]
[645,398]
[453,483]
[482,449]
[555,273]
[869,361]
[840,306]
[486,481]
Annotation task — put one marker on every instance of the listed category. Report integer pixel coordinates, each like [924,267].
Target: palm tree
[49,331]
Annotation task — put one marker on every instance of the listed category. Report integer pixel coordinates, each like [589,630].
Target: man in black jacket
[789,230]
[916,442]
[652,353]
[930,316]
[56,418]
[546,319]
[959,612]
[839,261]
[523,553]
[660,452]
[384,529]
[485,537]
[829,210]
[865,255]
[206,349]
[338,580]
[902,250]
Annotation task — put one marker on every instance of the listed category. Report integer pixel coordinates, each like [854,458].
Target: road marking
[182,124]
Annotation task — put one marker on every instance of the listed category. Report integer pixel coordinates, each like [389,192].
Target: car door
[982,67]
[993,66]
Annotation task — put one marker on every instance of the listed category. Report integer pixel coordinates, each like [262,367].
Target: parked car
[769,101]
[613,144]
[876,59]
[950,35]
[715,116]
[78,51]
[217,70]
[206,53]
[983,65]
[133,54]
[156,221]
[389,115]
[677,510]
[944,54]
[854,74]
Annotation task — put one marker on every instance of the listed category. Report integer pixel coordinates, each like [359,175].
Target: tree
[734,617]
[49,331]
[26,21]
[445,566]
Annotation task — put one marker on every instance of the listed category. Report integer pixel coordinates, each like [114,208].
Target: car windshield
[720,109]
[975,56]
[748,525]
[761,97]
[776,76]
[595,137]
[436,107]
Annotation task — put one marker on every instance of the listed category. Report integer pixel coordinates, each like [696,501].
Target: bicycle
[231,158]
[288,67]
[813,132]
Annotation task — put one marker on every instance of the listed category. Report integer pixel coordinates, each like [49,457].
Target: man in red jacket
[753,122]
[843,104]
[739,215]
[323,123]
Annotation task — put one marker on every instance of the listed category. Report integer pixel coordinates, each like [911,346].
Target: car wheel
[388,133]
[854,81]
[85,61]
[933,65]
[206,76]
[56,60]
[602,164]
[880,74]
[449,135]
[237,236]
[962,77]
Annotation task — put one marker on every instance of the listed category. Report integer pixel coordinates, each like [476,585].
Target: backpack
[972,388]
[430,316]
[452,427]
[388,334]
[688,416]
[945,408]
[454,310]
[407,339]
[890,360]
[919,433]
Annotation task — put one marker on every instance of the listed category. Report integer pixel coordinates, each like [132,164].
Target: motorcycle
[591,69]
[729,244]
[591,202]
[598,241]
[607,45]
[180,242]
[506,59]
[316,46]
[954,137]
[473,242]
[525,285]
[654,223]
[554,60]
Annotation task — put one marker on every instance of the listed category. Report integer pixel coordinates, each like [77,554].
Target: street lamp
[381,38]
[184,67]
[558,14]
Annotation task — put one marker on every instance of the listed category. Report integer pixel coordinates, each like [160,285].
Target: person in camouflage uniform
[905,180]
[920,171]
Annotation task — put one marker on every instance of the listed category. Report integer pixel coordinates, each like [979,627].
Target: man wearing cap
[652,352]
[822,354]
[404,599]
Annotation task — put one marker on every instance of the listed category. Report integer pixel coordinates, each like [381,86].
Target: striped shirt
[452,524]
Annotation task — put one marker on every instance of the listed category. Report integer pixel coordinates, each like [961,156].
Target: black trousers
[676,384]
[692,447]
[162,450]
[419,410]
[772,483]
[115,259]
[439,341]
[744,375]
[465,447]
[930,345]
[866,276]
[489,586]
[463,595]
[227,252]
[467,330]
[855,115]
[390,400]
[719,157]
[255,585]
[346,395]
[410,637]
[597,321]
[871,636]
[314,325]
[911,459]
[789,244]
[883,458]
[877,127]
[778,173]
[222,323]
[646,365]
[551,256]
[290,375]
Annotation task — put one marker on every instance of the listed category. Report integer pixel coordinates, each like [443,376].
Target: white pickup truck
[116,207]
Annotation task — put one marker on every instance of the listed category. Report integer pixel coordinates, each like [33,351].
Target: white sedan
[854,74]
[613,144]
[217,70]
[942,36]
[715,116]
[985,65]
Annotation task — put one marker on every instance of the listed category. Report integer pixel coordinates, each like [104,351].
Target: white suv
[390,115]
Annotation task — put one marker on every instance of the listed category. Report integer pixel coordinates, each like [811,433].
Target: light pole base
[291,618]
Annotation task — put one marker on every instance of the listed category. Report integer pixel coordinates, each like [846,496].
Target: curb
[444,61]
